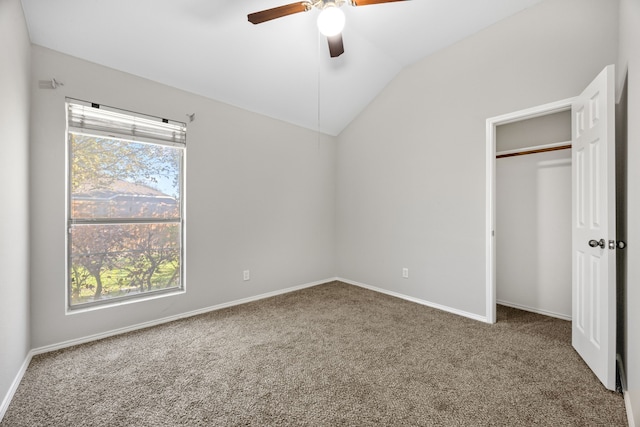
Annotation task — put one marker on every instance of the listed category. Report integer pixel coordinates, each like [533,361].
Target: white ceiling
[280,68]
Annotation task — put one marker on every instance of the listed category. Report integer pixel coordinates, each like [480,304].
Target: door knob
[596,243]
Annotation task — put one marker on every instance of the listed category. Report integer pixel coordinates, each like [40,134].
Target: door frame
[492,123]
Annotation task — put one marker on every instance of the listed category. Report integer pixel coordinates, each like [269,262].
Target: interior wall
[411,167]
[259,196]
[14,214]
[533,232]
[629,65]
[548,129]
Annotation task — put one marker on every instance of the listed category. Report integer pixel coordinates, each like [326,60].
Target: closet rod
[537,150]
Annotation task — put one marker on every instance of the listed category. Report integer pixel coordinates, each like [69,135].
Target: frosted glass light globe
[331,21]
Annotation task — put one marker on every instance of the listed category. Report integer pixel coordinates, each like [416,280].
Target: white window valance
[101,120]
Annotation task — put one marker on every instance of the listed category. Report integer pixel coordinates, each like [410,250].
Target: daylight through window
[125,204]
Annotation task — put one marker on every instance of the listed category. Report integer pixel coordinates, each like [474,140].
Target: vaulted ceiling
[280,68]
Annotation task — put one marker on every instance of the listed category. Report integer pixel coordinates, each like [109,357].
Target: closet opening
[533,214]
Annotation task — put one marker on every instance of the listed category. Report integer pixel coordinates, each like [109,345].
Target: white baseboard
[95,337]
[15,384]
[417,300]
[45,349]
[628,404]
[627,398]
[534,310]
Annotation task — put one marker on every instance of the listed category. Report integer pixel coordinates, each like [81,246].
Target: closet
[533,214]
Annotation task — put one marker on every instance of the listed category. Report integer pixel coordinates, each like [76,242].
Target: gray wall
[629,62]
[14,214]
[411,167]
[260,196]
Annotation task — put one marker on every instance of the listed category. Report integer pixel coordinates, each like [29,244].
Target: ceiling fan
[330,21]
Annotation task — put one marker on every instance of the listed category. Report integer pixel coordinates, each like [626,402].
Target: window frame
[70,221]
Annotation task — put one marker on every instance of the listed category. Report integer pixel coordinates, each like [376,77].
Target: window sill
[120,302]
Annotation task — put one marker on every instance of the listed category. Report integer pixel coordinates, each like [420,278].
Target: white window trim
[173,142]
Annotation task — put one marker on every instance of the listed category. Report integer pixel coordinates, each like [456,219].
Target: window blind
[100,120]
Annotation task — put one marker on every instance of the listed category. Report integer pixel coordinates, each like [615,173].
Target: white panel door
[594,240]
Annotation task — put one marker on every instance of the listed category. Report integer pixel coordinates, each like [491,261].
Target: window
[125,224]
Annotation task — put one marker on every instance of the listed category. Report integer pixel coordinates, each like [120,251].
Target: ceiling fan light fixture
[331,21]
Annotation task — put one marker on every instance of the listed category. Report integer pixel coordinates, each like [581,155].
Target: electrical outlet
[246,275]
[405,273]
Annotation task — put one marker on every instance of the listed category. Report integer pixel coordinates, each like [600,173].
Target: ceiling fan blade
[277,12]
[368,2]
[336,48]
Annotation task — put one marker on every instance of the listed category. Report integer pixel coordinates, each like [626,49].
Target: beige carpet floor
[331,355]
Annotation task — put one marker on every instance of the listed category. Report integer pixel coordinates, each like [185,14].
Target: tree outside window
[125,218]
